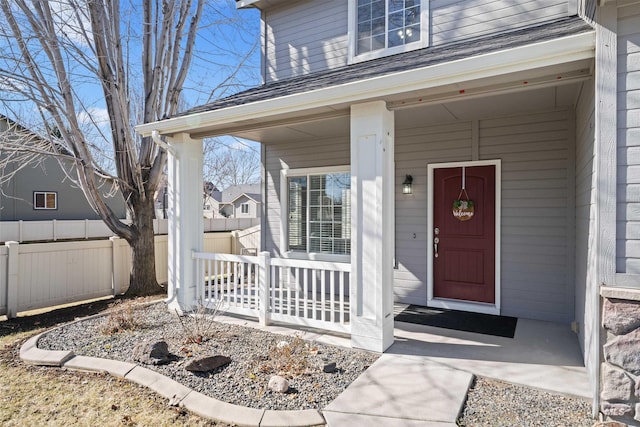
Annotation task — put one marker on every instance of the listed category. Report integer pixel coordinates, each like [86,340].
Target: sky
[226,38]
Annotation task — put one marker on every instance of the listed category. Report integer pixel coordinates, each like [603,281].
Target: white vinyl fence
[39,275]
[302,292]
[54,230]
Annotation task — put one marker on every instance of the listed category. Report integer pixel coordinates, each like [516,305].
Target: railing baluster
[305,296]
[297,291]
[323,294]
[273,285]
[209,281]
[332,296]
[289,291]
[314,290]
[342,276]
[228,281]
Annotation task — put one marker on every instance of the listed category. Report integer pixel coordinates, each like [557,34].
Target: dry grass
[290,360]
[33,396]
[121,318]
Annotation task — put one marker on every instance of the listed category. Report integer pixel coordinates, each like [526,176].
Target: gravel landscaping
[492,403]
[256,357]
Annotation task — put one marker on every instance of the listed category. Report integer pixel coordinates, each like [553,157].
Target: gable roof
[400,62]
[231,193]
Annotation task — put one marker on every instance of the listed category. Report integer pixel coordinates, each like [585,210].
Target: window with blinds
[320,213]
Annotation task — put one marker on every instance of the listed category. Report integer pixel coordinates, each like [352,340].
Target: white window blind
[320,213]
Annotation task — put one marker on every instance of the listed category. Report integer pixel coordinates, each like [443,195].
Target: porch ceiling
[423,109]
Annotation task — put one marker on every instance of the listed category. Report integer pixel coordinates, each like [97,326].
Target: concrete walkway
[422,380]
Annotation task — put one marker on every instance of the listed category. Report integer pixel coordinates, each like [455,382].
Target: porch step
[402,390]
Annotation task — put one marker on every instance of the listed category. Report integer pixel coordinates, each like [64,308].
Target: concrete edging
[178,394]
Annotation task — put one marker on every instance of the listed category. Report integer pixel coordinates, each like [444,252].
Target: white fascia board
[552,52]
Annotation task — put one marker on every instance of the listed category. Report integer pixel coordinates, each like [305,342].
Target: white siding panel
[628,159]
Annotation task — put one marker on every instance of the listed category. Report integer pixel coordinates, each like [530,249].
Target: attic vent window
[387,24]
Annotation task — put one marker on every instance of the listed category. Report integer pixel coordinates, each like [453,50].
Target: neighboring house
[240,201]
[43,191]
[530,110]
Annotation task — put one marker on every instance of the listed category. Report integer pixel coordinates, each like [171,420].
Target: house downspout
[155,136]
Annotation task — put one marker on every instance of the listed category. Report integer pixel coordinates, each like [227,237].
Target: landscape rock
[637,417]
[207,364]
[278,384]
[152,353]
[623,352]
[616,384]
[329,368]
[615,409]
[609,424]
[621,317]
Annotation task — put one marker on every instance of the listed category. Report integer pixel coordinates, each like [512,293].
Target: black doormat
[500,326]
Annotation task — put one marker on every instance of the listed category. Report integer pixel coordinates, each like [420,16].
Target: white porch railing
[309,293]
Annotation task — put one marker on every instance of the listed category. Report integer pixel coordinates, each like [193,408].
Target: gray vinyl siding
[16,199]
[303,37]
[455,20]
[301,154]
[628,188]
[415,148]
[537,208]
[586,285]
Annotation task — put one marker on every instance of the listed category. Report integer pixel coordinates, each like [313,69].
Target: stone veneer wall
[620,373]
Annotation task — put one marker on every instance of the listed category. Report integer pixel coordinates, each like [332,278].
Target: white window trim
[353,30]
[242,206]
[285,174]
[45,208]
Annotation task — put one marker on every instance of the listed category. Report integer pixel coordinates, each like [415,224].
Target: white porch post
[372,220]
[186,228]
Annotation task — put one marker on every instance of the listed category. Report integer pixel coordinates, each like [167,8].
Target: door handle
[436,240]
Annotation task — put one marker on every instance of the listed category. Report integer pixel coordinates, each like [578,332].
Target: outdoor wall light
[407,185]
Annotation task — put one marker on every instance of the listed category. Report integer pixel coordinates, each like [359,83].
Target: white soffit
[549,53]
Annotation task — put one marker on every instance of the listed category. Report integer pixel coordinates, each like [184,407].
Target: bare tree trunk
[143,271]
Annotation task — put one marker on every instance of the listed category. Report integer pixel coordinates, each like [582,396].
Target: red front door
[464,255]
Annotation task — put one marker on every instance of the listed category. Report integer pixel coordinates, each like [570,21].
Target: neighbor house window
[319,214]
[244,208]
[389,26]
[45,200]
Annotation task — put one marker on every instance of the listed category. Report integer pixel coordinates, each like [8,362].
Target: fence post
[54,230]
[115,265]
[235,243]
[12,278]
[264,277]
[20,230]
